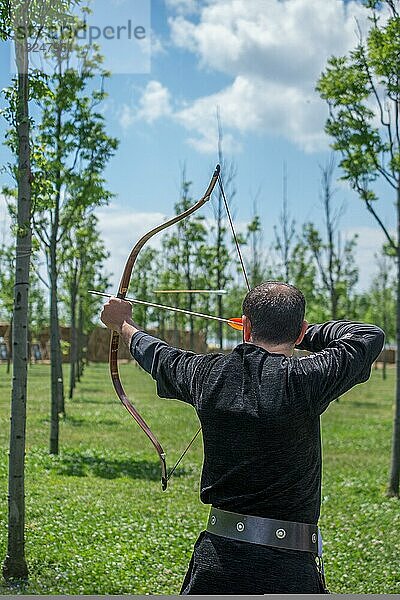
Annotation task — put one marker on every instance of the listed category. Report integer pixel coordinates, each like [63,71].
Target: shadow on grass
[90,390]
[84,400]
[79,422]
[74,421]
[85,464]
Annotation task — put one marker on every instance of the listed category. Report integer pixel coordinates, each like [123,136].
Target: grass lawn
[97,521]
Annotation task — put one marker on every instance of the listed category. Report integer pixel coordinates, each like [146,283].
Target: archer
[259,409]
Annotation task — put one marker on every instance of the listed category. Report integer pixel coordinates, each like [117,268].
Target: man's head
[274,314]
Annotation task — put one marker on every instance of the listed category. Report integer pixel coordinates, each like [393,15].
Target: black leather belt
[268,532]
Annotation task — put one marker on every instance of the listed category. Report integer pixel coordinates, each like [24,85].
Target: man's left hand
[115,313]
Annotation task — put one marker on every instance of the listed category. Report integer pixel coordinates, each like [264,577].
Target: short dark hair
[276,312]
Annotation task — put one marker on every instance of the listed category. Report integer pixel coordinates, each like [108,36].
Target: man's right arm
[343,353]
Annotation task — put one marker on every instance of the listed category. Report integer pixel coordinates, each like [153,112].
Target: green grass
[97,521]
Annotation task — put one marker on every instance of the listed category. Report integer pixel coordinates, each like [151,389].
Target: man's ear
[302,333]
[246,328]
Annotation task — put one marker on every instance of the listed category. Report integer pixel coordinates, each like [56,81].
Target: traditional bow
[122,291]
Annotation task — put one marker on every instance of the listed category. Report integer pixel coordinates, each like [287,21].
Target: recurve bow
[122,291]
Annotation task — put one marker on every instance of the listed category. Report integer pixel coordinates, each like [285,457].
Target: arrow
[234,322]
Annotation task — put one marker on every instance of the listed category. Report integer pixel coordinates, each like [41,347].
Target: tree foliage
[362,90]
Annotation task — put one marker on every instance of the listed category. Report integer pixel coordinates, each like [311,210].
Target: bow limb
[122,291]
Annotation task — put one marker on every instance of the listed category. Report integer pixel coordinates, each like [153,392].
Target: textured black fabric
[222,566]
[260,416]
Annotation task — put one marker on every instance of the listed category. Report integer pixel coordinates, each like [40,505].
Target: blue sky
[258,60]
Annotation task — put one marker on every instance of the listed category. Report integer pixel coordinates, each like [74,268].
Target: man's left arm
[171,368]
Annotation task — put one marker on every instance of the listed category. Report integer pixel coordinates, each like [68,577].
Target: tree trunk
[220,313]
[189,286]
[176,342]
[220,334]
[384,363]
[393,489]
[161,325]
[15,566]
[79,353]
[384,329]
[60,376]
[285,226]
[55,354]
[73,349]
[81,341]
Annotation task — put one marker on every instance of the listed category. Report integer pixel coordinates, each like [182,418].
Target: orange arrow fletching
[236,323]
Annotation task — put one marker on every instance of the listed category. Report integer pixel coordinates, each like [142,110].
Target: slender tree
[186,243]
[285,235]
[363,94]
[19,20]
[82,258]
[15,565]
[71,144]
[147,279]
[93,277]
[333,257]
[291,257]
[380,304]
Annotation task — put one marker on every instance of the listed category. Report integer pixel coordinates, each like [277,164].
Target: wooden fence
[96,344]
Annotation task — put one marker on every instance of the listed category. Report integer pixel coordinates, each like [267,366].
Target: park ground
[97,521]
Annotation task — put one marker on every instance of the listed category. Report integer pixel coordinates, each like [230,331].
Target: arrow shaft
[163,307]
[220,292]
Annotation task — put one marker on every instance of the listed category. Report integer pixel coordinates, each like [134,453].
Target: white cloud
[157,46]
[280,40]
[274,51]
[154,103]
[256,105]
[126,116]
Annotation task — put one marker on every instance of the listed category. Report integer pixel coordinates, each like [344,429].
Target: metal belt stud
[280,534]
[240,526]
[314,538]
[213,520]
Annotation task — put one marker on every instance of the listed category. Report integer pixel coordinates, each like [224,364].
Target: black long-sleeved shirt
[260,414]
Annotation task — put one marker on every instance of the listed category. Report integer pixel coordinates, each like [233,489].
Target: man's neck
[285,349]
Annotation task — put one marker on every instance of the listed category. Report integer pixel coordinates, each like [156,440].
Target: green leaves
[342,84]
[363,94]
